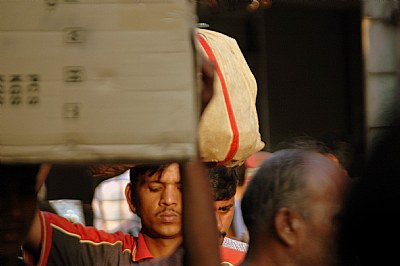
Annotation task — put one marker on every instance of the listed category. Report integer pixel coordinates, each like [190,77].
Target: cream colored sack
[228,128]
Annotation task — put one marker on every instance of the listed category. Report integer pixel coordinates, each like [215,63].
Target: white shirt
[110,208]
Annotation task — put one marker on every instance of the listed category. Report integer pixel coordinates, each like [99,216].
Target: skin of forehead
[325,176]
[225,203]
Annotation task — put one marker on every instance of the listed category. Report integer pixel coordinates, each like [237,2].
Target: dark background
[306,57]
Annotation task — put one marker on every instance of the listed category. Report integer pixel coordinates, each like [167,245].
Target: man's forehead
[165,174]
[225,202]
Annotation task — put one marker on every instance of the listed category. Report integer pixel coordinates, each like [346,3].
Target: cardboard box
[97,80]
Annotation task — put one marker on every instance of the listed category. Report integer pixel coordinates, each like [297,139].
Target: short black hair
[240,174]
[223,181]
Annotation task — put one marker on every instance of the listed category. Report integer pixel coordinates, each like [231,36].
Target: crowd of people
[300,208]
[292,208]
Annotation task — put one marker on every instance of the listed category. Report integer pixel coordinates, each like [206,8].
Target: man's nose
[219,222]
[170,196]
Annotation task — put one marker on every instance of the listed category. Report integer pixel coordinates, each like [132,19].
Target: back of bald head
[282,181]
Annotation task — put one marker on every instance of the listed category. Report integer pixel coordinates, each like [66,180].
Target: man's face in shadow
[224,211]
[17,206]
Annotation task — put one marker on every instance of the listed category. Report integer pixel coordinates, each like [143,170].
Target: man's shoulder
[235,244]
[52,222]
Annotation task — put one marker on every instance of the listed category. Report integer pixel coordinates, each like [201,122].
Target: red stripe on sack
[235,140]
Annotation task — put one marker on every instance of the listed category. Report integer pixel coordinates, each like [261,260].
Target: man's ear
[131,200]
[288,226]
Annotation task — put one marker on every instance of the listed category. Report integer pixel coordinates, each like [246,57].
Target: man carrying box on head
[155,195]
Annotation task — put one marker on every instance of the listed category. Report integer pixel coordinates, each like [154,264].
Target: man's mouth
[169,216]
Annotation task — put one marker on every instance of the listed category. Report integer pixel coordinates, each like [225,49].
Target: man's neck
[271,255]
[162,247]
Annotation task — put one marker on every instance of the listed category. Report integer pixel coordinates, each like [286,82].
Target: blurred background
[326,69]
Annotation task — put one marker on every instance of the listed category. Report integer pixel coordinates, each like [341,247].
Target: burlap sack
[228,128]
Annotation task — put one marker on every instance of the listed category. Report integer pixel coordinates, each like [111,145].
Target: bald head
[325,180]
[294,199]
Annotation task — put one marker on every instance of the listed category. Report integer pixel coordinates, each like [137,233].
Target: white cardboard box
[100,80]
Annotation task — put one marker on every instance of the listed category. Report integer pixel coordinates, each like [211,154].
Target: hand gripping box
[97,80]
